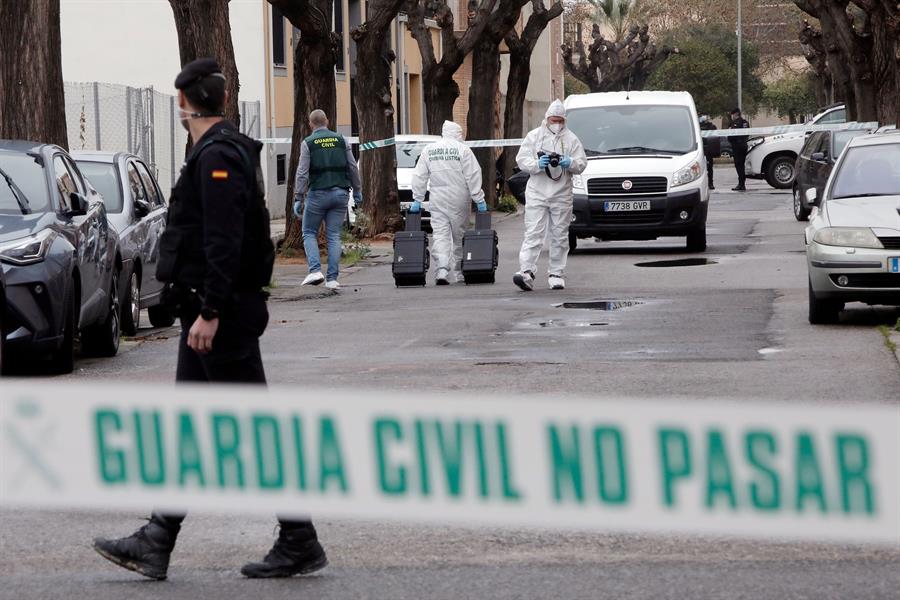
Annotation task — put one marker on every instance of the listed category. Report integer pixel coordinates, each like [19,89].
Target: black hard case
[480,252]
[411,256]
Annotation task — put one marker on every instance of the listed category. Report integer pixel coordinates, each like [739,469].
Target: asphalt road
[733,328]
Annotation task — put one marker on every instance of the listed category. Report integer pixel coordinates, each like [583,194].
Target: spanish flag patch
[220,174]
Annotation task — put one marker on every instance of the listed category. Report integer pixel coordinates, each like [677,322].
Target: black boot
[146,551]
[296,552]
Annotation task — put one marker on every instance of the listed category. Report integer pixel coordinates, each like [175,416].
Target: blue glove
[565,162]
[357,201]
[544,161]
[415,207]
[481,206]
[298,208]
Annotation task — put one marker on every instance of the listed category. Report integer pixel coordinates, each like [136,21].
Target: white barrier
[811,472]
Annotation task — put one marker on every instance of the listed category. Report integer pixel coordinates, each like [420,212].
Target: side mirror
[812,197]
[79,205]
[818,156]
[141,208]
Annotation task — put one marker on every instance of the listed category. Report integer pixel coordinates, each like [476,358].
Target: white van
[646,174]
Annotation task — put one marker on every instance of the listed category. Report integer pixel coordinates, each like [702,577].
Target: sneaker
[525,280]
[146,551]
[333,284]
[295,553]
[460,278]
[739,188]
[556,282]
[441,277]
[314,278]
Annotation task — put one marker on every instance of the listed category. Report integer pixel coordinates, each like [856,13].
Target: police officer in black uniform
[217,256]
[712,147]
[739,148]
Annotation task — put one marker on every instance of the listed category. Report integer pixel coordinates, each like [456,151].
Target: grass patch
[288,252]
[355,249]
[886,332]
[507,204]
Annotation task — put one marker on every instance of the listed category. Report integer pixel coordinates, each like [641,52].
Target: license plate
[626,206]
[894,264]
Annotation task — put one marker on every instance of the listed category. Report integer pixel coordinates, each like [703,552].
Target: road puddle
[563,323]
[600,304]
[680,262]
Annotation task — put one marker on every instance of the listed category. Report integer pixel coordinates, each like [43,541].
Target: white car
[646,173]
[773,158]
[853,237]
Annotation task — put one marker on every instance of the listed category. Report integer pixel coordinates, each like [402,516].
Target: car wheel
[823,312]
[161,316]
[573,243]
[62,360]
[102,339]
[696,240]
[801,213]
[780,172]
[131,305]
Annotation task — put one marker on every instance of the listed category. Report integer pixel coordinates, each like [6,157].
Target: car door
[805,163]
[822,167]
[139,229]
[156,224]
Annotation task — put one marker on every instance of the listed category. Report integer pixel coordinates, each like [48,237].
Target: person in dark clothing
[712,148]
[739,148]
[217,256]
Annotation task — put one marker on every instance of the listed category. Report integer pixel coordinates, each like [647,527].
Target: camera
[554,158]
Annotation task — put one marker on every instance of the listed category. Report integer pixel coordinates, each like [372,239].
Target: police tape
[755,469]
[754,131]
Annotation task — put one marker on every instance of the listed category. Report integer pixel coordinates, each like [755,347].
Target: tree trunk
[441,93]
[378,167]
[204,30]
[513,115]
[884,25]
[480,120]
[32,102]
[315,56]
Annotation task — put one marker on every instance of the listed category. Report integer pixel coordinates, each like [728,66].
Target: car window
[835,116]
[27,173]
[65,184]
[408,155]
[153,195]
[840,139]
[633,129]
[824,145]
[76,175]
[812,142]
[134,183]
[868,171]
[105,180]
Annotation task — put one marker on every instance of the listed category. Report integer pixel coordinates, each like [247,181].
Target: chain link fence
[142,121]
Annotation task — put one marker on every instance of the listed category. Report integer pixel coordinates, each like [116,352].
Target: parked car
[136,207]
[59,255]
[2,320]
[646,173]
[814,165]
[853,238]
[773,158]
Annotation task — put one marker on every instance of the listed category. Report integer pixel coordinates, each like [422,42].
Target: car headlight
[687,174]
[577,182]
[27,250]
[754,143]
[847,237]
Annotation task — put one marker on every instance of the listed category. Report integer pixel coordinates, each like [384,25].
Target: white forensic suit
[455,177]
[548,198]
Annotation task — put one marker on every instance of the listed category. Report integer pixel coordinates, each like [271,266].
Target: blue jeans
[330,205]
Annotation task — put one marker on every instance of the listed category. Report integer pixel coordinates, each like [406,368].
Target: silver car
[853,237]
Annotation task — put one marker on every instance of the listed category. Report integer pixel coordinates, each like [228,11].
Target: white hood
[556,109]
[452,131]
[877,212]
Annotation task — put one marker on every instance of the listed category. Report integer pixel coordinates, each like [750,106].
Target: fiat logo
[626,185]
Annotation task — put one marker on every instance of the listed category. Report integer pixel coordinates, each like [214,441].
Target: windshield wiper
[641,150]
[20,197]
[866,195]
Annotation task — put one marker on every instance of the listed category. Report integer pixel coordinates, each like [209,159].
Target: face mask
[185,116]
[555,127]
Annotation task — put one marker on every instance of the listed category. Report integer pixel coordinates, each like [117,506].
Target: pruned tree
[817,56]
[374,106]
[32,103]
[315,56]
[521,46]
[608,65]
[440,90]
[204,30]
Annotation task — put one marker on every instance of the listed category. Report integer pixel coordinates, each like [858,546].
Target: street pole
[740,94]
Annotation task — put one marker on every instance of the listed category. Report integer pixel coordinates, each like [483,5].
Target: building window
[339,30]
[571,33]
[277,37]
[281,169]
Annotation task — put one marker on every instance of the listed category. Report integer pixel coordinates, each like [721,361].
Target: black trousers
[235,358]
[710,162]
[740,155]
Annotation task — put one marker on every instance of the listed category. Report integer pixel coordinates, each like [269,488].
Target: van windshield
[640,129]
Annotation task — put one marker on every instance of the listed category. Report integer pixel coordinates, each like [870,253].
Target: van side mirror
[812,197]
[78,204]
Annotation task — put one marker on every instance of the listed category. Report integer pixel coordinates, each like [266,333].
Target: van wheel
[102,339]
[573,243]
[780,172]
[823,312]
[696,240]
[62,360]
